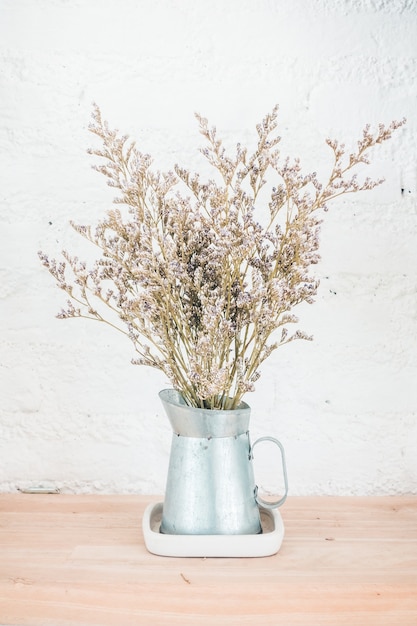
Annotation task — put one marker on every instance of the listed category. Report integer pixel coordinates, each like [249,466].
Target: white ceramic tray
[264,544]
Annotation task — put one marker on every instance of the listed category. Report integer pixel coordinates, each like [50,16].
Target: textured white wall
[73,412]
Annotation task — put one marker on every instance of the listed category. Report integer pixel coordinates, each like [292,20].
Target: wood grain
[80,559]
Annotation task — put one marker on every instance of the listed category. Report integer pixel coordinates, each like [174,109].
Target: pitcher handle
[264,503]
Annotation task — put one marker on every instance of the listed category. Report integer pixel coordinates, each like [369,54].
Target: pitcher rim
[169,391]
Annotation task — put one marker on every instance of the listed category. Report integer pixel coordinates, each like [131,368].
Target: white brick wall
[73,412]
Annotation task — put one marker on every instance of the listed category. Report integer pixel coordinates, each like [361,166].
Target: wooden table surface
[81,559]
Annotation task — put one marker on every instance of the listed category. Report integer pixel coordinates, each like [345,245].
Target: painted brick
[74,412]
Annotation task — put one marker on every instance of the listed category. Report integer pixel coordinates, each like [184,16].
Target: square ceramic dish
[265,544]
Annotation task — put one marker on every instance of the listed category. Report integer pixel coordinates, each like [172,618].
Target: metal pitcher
[210,487]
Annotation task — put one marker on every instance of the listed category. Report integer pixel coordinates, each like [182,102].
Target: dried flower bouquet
[190,273]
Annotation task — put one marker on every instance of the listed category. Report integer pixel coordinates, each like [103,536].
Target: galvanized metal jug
[210,487]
